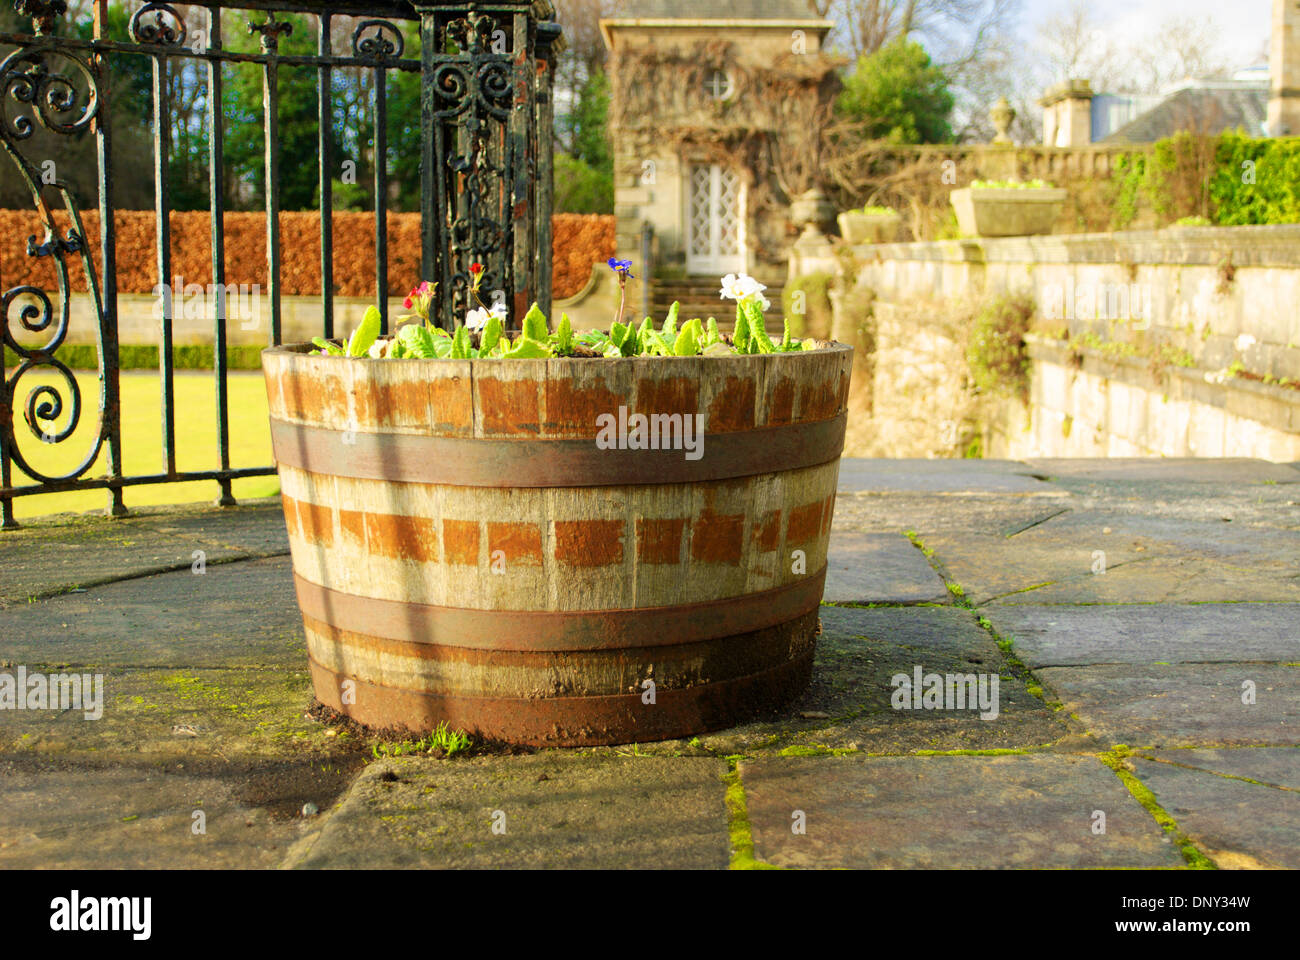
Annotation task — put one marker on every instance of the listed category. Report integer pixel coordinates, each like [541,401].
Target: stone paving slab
[848,704]
[52,555]
[1274,766]
[561,810]
[233,614]
[1029,811]
[880,568]
[977,513]
[1190,704]
[1236,824]
[132,817]
[942,477]
[181,714]
[1230,470]
[1054,636]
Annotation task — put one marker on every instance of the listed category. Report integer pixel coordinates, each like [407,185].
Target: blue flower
[621,267]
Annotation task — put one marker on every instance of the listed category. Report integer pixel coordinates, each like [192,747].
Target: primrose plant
[482,335]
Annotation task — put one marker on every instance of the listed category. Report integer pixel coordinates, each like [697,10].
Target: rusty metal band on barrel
[543,462]
[571,721]
[560,630]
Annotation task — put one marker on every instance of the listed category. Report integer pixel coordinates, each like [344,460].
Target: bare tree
[1187,48]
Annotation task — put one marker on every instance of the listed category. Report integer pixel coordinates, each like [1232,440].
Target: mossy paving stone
[1091,556]
[1187,704]
[1002,477]
[1033,811]
[1055,636]
[594,810]
[881,568]
[926,515]
[141,815]
[234,614]
[1227,471]
[56,554]
[180,714]
[858,653]
[1275,766]
[1237,824]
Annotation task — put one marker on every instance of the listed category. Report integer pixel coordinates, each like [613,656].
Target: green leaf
[741,337]
[460,344]
[442,347]
[719,349]
[658,346]
[687,343]
[619,335]
[564,335]
[758,330]
[535,325]
[526,348]
[670,324]
[333,349]
[712,334]
[643,335]
[491,335]
[418,342]
[364,336]
[785,339]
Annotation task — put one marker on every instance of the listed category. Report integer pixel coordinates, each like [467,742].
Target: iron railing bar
[325,102]
[381,196]
[430,175]
[112,412]
[162,212]
[221,309]
[232,56]
[101,483]
[271,119]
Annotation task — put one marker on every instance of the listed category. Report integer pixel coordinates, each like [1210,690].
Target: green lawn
[196,440]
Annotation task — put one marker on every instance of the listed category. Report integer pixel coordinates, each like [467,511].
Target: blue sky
[1243,24]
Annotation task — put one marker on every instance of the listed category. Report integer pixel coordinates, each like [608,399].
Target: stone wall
[1181,342]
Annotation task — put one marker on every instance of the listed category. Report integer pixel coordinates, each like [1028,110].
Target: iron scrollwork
[475,94]
[158,24]
[384,44]
[63,104]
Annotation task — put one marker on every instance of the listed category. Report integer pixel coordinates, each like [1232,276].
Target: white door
[716,242]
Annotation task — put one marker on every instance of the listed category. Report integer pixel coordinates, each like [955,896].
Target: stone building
[713,101]
[1260,100]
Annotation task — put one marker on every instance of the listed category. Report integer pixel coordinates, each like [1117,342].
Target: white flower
[377,350]
[477,319]
[741,287]
[1244,342]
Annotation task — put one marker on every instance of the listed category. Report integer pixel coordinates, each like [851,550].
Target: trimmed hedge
[578,242]
[82,356]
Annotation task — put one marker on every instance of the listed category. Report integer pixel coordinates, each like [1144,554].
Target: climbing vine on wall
[769,126]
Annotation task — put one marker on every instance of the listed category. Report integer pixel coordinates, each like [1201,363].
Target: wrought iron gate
[485,187]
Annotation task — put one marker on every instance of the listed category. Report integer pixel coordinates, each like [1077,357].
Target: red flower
[476,268]
[409,303]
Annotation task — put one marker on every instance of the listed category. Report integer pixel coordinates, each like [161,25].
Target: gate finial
[42,12]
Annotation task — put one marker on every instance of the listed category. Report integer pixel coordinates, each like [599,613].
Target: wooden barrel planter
[465,551]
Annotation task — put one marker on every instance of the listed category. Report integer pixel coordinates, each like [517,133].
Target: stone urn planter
[1007,211]
[491,544]
[869,226]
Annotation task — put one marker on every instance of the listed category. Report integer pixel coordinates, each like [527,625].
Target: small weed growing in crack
[442,741]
